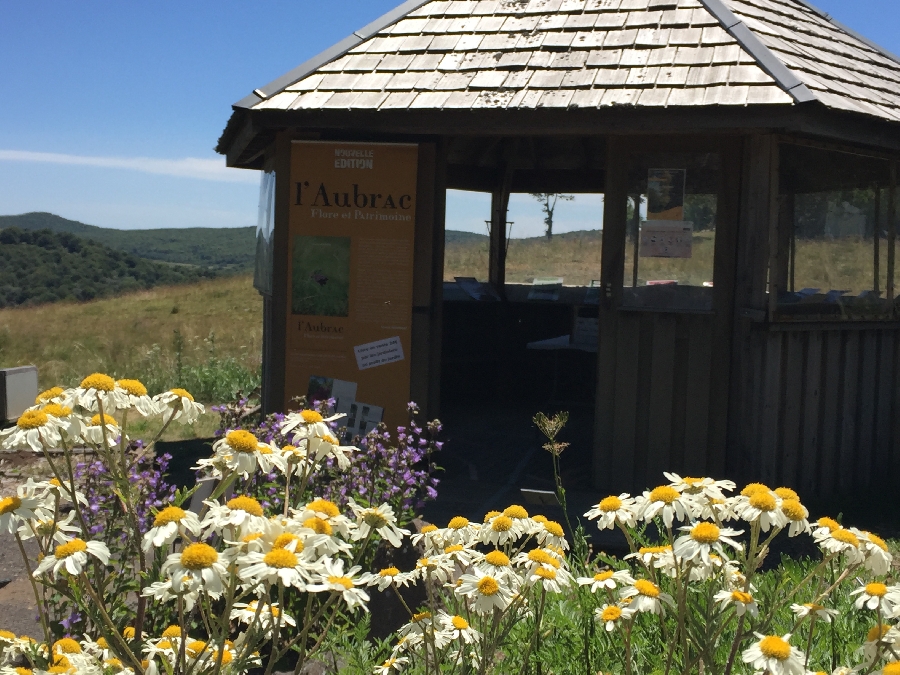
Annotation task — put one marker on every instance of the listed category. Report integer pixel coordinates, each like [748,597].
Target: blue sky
[111,109]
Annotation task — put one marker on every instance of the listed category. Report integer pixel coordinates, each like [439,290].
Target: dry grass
[844,264]
[66,341]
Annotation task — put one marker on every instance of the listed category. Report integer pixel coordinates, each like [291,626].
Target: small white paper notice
[378,353]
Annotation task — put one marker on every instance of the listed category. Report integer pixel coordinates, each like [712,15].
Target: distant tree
[548,200]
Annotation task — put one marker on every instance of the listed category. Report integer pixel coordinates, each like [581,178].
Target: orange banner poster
[350,275]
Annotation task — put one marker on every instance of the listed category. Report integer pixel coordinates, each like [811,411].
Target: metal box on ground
[18,389]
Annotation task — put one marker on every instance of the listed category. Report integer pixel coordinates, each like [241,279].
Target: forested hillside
[44,266]
[224,248]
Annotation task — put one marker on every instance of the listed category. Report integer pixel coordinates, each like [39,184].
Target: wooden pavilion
[770,367]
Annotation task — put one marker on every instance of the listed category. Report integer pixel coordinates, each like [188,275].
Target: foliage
[215,247]
[548,201]
[44,266]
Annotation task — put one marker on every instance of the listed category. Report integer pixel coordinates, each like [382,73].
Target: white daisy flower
[497,564]
[328,446]
[324,517]
[102,431]
[162,591]
[308,424]
[775,655]
[612,510]
[743,602]
[97,389]
[134,395]
[267,616]
[484,592]
[387,577]
[393,665]
[168,524]
[242,452]
[875,550]
[666,502]
[552,579]
[650,555]
[25,506]
[702,539]
[708,487]
[536,557]
[612,615]
[34,429]
[439,568]
[551,533]
[522,523]
[499,530]
[459,531]
[458,554]
[607,580]
[196,565]
[840,540]
[646,597]
[764,507]
[180,405]
[242,513]
[380,519]
[71,426]
[72,556]
[457,628]
[876,595]
[277,565]
[796,515]
[814,610]
[881,640]
[60,531]
[333,578]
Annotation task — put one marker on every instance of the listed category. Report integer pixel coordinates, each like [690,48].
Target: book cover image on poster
[320,284]
[665,194]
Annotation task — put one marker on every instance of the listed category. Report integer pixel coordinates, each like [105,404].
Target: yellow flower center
[198,556]
[515,511]
[226,656]
[102,643]
[611,613]
[246,504]
[545,572]
[490,514]
[539,556]
[96,420]
[653,550]
[787,493]
[57,410]
[845,536]
[793,509]
[501,524]
[764,501]
[32,419]
[497,559]
[374,519]
[423,562]
[646,588]
[876,589]
[488,586]
[421,616]
[172,632]
[113,663]
[318,525]
[609,504]
[428,528]
[330,509]
[459,623]
[705,533]
[346,582]
[67,646]
[687,480]
[389,572]
[70,548]
[813,607]
[9,504]
[892,668]
[241,441]
[195,647]
[181,393]
[830,523]
[665,494]
[603,576]
[455,548]
[284,540]
[23,671]
[330,439]
[311,416]
[740,596]
[753,488]
[253,536]
[554,528]
[773,647]
[98,381]
[170,514]
[539,518]
[457,523]
[280,558]
[877,632]
[133,387]
[49,394]
[878,541]
[128,632]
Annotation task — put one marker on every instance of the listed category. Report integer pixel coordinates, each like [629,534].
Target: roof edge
[837,24]
[765,59]
[330,54]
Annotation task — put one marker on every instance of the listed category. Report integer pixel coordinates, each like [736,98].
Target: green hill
[222,248]
[43,266]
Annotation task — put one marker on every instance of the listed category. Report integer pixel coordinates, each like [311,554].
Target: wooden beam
[497,252]
[892,231]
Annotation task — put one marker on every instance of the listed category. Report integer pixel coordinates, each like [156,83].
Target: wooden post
[776,250]
[892,231]
[497,251]
[876,241]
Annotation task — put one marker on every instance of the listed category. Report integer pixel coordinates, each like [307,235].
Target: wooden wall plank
[793,388]
[812,386]
[849,414]
[437,279]
[643,412]
[423,262]
[830,413]
[275,395]
[699,358]
[771,408]
[885,409]
[659,437]
[895,417]
[624,431]
[679,395]
[868,386]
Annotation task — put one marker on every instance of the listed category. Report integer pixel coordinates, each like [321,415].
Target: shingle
[672,77]
[610,21]
[514,60]
[451,61]
[370,99]
[621,96]
[339,82]
[531,41]
[540,59]
[280,101]
[621,38]
[488,79]
[586,98]
[425,62]
[605,58]
[499,42]
[634,4]
[572,6]
[569,60]
[387,45]
[546,79]
[511,7]
[727,54]
[601,5]
[552,22]
[588,40]
[676,18]
[428,81]
[694,56]
[642,77]
[409,27]
[662,57]
[461,8]
[337,65]
[520,23]
[518,79]
[312,99]
[461,99]
[526,98]
[395,62]
[685,97]
[372,82]
[685,36]
[308,83]
[556,99]
[486,7]
[438,26]
[403,81]
[634,57]
[557,40]
[362,63]
[579,21]
[542,6]
[430,99]
[579,78]
[608,77]
[715,35]
[654,97]
[652,37]
[444,43]
[341,100]
[474,60]
[701,17]
[642,19]
[707,75]
[748,75]
[490,24]
[726,95]
[492,99]
[463,25]
[469,42]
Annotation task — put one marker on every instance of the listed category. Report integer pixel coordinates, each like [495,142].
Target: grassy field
[206,337]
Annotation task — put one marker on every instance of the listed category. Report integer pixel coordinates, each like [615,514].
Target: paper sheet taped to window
[666,239]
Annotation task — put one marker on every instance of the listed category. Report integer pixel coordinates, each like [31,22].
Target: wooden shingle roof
[515,54]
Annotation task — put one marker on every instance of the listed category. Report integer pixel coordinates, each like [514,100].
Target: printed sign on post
[666,239]
[378,353]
